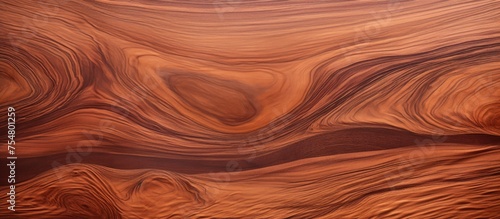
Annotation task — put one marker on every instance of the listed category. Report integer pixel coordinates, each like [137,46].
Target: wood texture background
[252,109]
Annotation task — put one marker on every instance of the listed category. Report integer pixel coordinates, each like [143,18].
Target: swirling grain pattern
[252,109]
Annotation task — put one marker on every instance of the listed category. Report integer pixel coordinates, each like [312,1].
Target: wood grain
[252,109]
